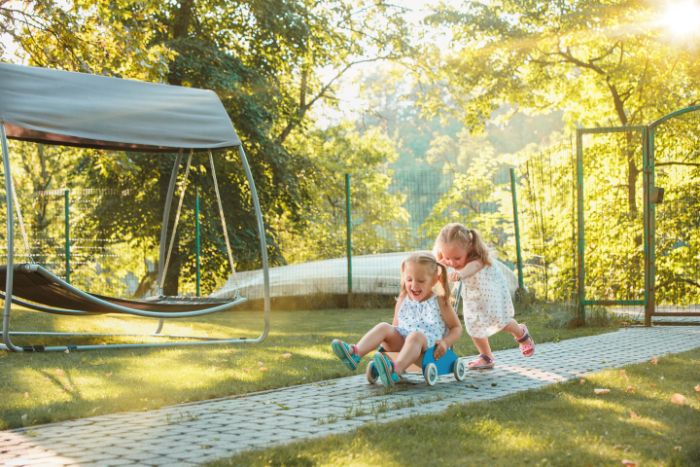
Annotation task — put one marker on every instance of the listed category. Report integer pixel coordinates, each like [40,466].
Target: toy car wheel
[460,369]
[371,373]
[430,373]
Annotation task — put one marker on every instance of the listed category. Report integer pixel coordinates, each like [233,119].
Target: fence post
[66,217]
[348,230]
[517,230]
[197,242]
[580,225]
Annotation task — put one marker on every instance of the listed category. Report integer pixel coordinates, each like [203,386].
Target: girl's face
[418,281]
[453,255]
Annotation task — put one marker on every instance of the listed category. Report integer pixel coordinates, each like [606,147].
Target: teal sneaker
[385,369]
[346,353]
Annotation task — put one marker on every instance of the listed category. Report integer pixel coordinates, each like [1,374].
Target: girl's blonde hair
[468,238]
[427,260]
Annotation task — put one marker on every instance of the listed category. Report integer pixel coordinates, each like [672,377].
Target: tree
[379,219]
[263,58]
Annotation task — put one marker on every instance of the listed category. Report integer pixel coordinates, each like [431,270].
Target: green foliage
[378,218]
[268,62]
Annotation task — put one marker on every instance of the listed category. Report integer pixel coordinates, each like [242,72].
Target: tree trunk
[181,23]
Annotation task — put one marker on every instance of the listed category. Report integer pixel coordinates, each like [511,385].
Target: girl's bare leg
[514,328]
[415,344]
[483,346]
[384,334]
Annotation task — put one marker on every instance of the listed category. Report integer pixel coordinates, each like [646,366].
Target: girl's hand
[454,276]
[440,349]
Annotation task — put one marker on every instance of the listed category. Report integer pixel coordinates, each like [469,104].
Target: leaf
[679,399]
[600,391]
[697,388]
[582,381]
[634,415]
[286,355]
[654,361]
[629,463]
[263,368]
[630,389]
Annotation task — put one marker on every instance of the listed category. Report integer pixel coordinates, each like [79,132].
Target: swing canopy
[78,109]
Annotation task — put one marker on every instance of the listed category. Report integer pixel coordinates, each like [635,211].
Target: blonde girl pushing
[422,319]
[487,304]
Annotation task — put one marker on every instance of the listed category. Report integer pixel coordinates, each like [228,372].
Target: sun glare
[682,18]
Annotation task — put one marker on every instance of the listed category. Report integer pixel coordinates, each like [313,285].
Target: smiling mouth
[416,292]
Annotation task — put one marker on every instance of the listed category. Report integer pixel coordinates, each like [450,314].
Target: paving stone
[202,431]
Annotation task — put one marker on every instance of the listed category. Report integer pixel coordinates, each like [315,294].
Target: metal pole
[197,245]
[580,221]
[649,225]
[263,242]
[348,230]
[166,221]
[517,230]
[66,216]
[9,277]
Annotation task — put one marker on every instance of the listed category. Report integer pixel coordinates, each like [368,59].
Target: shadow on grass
[48,387]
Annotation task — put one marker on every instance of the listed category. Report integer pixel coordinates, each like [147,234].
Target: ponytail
[446,293]
[469,239]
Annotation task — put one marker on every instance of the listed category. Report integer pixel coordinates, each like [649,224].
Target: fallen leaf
[677,448]
[697,388]
[109,375]
[601,390]
[634,415]
[654,361]
[263,368]
[582,381]
[286,355]
[678,399]
[261,363]
[66,351]
[26,395]
[630,389]
[60,372]
[629,463]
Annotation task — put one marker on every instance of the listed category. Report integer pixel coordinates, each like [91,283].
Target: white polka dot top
[422,316]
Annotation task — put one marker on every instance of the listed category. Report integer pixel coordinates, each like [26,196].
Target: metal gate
[645,257]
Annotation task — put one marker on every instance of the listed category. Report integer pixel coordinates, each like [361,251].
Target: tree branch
[304,107]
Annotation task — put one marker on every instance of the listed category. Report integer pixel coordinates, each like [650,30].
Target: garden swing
[76,109]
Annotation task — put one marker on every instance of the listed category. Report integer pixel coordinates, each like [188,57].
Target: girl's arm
[470,269]
[454,328]
[395,322]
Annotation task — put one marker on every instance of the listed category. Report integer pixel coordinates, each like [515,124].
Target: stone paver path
[194,433]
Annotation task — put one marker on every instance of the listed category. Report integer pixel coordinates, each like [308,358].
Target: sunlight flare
[682,18]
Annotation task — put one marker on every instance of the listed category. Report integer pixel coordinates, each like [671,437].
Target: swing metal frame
[103,303]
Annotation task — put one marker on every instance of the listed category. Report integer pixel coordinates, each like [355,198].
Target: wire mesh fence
[399,209]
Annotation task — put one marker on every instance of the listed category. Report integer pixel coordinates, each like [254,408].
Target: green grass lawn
[48,387]
[564,424]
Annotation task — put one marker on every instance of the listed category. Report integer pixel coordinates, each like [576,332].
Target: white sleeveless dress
[422,316]
[487,305]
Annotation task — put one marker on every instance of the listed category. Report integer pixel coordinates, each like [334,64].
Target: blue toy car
[430,368]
